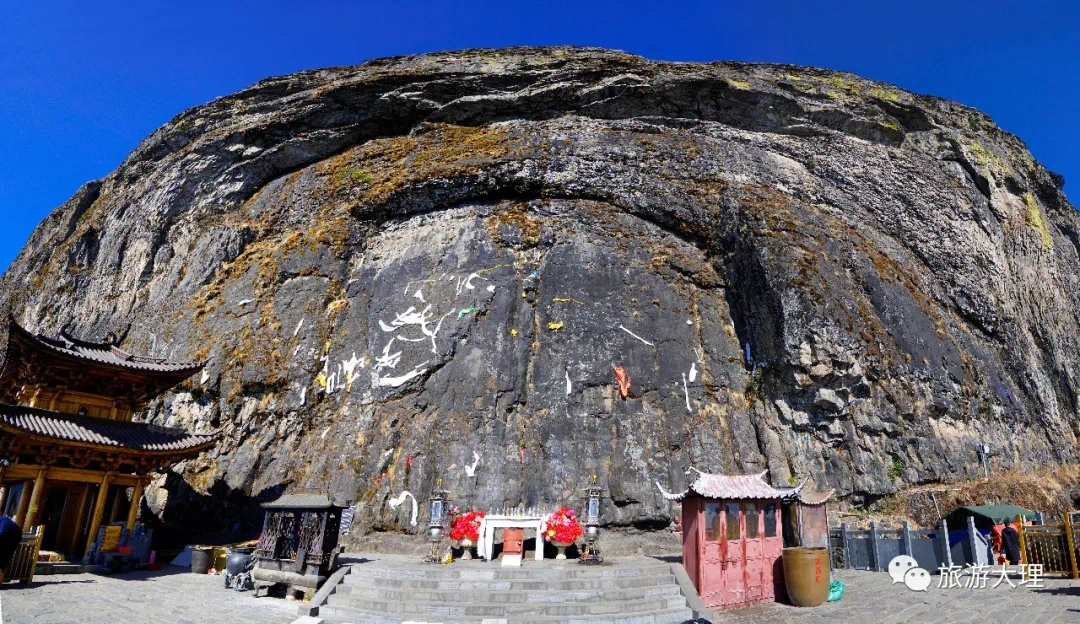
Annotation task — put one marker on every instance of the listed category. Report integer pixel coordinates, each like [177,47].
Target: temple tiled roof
[104,353]
[128,435]
[732,487]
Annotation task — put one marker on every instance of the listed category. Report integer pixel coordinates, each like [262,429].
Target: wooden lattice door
[713,589]
[755,562]
[734,546]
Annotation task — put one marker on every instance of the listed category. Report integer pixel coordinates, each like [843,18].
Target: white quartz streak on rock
[686,394]
[693,372]
[636,336]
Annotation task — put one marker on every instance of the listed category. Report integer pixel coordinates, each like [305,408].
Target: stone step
[422,584]
[497,596]
[64,567]
[436,610]
[338,615]
[493,571]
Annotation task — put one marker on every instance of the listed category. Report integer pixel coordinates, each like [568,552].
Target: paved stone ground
[173,596]
[168,596]
[871,597]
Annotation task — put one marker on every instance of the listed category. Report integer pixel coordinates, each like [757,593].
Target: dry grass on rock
[1052,491]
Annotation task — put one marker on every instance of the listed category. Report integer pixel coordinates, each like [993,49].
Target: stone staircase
[636,590]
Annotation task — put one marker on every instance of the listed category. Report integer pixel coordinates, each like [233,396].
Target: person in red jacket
[995,542]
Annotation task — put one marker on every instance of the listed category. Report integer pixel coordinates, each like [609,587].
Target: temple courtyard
[174,596]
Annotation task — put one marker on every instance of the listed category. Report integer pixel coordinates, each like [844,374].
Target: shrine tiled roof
[732,487]
[102,353]
[807,496]
[100,431]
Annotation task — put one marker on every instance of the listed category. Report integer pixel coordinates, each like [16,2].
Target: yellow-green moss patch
[385,166]
[1034,218]
[885,94]
[989,159]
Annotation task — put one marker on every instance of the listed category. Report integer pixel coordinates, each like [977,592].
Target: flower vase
[561,546]
[467,545]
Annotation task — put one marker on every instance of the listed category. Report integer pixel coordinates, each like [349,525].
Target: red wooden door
[772,552]
[712,588]
[755,562]
[734,556]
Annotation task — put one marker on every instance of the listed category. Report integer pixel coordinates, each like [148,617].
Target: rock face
[426,268]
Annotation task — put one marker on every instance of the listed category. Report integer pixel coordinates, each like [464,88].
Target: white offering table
[490,523]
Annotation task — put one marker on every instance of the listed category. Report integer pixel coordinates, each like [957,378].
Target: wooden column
[4,498]
[35,498]
[1023,541]
[1071,543]
[133,511]
[80,517]
[99,510]
[33,402]
[114,513]
[24,503]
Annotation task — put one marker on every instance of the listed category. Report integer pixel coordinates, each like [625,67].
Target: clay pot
[806,576]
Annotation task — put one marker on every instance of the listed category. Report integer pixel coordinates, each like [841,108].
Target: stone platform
[385,589]
[173,595]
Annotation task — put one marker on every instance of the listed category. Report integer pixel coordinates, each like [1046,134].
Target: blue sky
[81,83]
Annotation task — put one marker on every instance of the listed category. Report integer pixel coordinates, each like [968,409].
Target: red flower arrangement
[467,526]
[563,527]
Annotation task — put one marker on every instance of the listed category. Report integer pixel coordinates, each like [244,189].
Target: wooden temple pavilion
[70,448]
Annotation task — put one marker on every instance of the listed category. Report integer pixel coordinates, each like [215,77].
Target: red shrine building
[75,461]
[733,541]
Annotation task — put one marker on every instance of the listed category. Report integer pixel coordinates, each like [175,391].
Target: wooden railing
[24,562]
[1054,546]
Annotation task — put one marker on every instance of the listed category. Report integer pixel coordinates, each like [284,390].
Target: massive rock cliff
[426,268]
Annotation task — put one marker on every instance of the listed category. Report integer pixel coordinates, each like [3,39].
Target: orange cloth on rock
[623,379]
